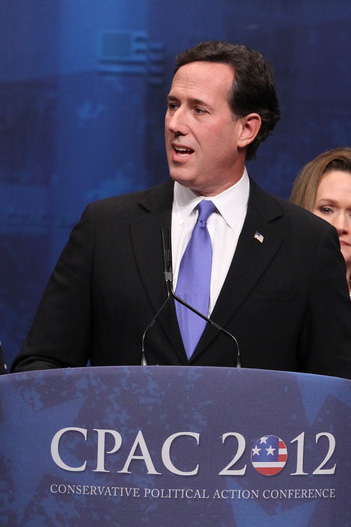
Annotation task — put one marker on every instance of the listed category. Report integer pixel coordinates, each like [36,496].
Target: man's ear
[251,125]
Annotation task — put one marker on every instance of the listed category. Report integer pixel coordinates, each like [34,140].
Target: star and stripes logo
[269,455]
[258,236]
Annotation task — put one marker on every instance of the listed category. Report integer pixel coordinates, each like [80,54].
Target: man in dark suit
[278,277]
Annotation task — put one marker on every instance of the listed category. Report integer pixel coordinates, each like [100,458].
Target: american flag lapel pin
[259,237]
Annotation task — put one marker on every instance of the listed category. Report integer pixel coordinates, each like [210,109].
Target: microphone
[167,259]
[167,266]
[168,274]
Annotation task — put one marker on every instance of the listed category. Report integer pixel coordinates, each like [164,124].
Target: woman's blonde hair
[307,182]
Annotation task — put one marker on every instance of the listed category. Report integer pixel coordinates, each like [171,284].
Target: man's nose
[176,122]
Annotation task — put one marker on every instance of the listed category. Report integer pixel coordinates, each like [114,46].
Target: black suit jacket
[285,298]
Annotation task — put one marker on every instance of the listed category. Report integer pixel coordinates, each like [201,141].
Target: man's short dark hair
[253,89]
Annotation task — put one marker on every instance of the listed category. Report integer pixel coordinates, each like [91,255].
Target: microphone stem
[210,321]
[167,265]
[143,360]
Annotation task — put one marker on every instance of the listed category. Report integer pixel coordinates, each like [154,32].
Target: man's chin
[190,184]
[186,182]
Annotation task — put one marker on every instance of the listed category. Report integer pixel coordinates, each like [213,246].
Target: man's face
[201,132]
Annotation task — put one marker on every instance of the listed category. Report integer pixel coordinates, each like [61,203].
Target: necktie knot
[206,208]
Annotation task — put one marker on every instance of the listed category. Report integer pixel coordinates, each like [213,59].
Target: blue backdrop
[83,86]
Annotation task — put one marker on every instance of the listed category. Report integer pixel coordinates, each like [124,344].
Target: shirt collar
[230,204]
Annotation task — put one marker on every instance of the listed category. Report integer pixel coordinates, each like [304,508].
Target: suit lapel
[154,215]
[259,241]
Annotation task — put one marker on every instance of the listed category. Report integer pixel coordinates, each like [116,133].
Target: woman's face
[333,203]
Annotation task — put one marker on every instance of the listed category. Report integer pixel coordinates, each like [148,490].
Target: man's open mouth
[182,150]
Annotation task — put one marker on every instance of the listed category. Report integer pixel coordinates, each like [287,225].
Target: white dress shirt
[224,227]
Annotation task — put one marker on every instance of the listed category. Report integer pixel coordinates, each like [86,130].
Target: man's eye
[172,105]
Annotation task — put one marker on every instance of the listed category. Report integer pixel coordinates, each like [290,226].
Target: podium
[174,446]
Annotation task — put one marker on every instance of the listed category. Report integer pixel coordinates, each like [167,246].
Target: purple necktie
[194,279]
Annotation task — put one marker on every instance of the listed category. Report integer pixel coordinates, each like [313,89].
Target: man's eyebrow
[192,100]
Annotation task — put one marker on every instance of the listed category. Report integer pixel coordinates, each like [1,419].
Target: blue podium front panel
[174,446]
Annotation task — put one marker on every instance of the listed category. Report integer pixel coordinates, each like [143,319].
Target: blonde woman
[323,186]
